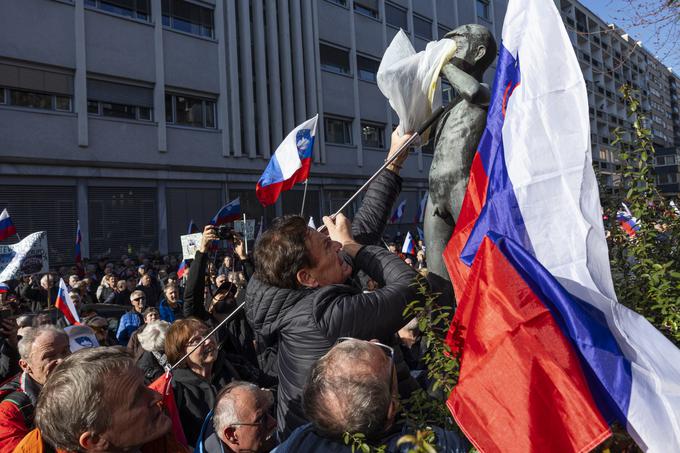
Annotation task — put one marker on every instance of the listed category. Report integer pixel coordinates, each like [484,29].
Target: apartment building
[135,116]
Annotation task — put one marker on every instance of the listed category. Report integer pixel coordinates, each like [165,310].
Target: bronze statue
[455,142]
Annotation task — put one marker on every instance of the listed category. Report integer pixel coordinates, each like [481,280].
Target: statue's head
[476,47]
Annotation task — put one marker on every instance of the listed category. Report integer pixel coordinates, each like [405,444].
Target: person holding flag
[535,294]
[290,163]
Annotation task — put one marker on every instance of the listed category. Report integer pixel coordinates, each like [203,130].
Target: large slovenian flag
[228,213]
[290,163]
[549,358]
[408,247]
[79,239]
[65,304]
[7,228]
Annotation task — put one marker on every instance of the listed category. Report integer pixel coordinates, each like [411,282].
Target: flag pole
[245,232]
[304,197]
[210,334]
[426,125]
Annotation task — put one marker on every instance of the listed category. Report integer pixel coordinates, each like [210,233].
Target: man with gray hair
[242,420]
[97,401]
[353,389]
[41,349]
[131,320]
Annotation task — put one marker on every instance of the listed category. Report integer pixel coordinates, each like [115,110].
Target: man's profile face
[48,351]
[329,266]
[131,404]
[256,432]
[73,280]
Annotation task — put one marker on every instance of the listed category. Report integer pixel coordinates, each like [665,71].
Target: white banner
[249,229]
[26,257]
[190,243]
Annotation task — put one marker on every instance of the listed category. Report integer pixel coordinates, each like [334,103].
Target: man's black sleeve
[369,223]
[340,311]
[194,290]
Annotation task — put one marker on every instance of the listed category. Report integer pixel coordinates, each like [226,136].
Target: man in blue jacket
[131,320]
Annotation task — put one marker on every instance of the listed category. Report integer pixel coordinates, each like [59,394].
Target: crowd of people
[321,347]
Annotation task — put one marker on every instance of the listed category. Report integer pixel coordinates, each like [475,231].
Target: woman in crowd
[198,378]
[153,360]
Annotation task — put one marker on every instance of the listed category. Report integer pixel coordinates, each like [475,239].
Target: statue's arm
[469,88]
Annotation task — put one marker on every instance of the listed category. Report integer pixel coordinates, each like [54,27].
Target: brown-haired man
[303,295]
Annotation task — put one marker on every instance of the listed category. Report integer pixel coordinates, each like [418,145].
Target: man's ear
[93,442]
[305,278]
[481,51]
[230,435]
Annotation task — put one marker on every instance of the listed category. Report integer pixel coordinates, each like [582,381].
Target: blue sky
[618,12]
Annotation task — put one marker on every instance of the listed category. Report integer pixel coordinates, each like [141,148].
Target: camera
[225,232]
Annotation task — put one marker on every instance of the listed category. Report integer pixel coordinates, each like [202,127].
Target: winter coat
[306,323]
[149,363]
[168,313]
[196,397]
[19,397]
[305,440]
[127,325]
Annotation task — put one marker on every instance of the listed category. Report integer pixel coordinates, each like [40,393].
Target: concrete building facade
[135,116]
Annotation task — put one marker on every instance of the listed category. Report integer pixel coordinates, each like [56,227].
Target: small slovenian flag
[627,222]
[420,215]
[7,228]
[409,247]
[183,268]
[79,239]
[4,288]
[228,213]
[65,304]
[290,163]
[398,213]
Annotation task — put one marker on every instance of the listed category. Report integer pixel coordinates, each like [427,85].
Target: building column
[162,218]
[310,65]
[262,114]
[356,124]
[298,60]
[321,130]
[246,67]
[83,216]
[286,66]
[409,22]
[234,99]
[159,67]
[80,78]
[276,128]
[223,99]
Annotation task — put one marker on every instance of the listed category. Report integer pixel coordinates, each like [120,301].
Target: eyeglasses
[196,341]
[137,299]
[259,421]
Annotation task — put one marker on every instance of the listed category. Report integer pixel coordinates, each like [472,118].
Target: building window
[189,111]
[188,17]
[396,16]
[137,9]
[35,100]
[372,135]
[483,9]
[367,8]
[115,110]
[339,131]
[367,68]
[339,2]
[334,59]
[422,27]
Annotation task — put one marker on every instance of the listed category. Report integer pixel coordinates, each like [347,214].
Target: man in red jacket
[41,350]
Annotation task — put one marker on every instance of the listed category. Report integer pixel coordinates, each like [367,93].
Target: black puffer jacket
[305,323]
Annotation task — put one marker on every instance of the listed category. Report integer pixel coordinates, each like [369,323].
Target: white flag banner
[26,257]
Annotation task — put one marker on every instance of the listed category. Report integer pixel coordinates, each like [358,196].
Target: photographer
[213,306]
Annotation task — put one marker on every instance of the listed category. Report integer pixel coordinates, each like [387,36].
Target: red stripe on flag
[521,387]
[61,304]
[268,195]
[163,386]
[474,200]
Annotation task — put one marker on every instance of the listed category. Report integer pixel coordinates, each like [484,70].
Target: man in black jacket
[304,294]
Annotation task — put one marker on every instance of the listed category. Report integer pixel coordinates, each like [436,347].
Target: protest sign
[249,228]
[190,244]
[26,257]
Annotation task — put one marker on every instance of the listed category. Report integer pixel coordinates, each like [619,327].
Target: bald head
[348,390]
